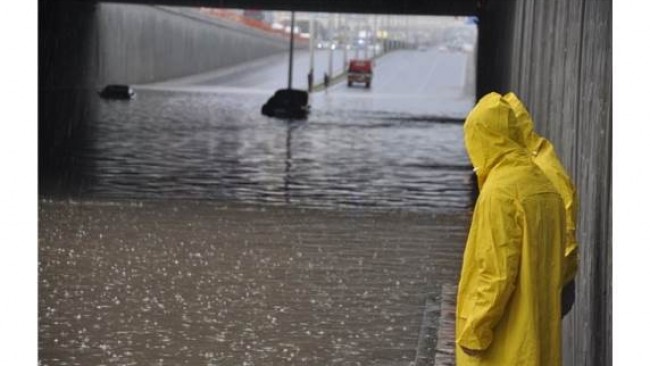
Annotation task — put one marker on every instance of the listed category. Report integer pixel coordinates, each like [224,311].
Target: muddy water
[201,283]
[217,145]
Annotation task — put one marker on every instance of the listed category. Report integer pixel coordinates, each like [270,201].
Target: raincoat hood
[532,141]
[545,158]
[492,131]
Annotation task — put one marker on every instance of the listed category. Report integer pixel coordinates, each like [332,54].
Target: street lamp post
[374,39]
[312,35]
[356,41]
[293,19]
[331,48]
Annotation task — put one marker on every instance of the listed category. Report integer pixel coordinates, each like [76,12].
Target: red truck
[360,71]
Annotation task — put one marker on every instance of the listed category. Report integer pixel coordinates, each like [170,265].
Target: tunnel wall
[91,44]
[66,74]
[556,55]
[141,44]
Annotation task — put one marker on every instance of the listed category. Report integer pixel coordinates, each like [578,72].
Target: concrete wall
[141,44]
[98,43]
[66,75]
[557,56]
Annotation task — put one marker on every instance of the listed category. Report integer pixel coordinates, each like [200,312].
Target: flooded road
[198,232]
[382,148]
[199,283]
[190,147]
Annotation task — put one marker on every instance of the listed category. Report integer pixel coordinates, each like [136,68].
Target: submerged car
[115,91]
[287,103]
[360,71]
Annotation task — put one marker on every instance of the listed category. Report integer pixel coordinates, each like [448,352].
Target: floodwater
[195,231]
[201,283]
[217,145]
[396,145]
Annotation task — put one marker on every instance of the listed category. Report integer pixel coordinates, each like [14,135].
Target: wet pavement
[205,283]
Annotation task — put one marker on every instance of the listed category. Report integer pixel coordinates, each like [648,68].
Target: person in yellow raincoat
[508,308]
[544,156]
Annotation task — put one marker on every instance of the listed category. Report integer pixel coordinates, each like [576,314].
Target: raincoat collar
[492,132]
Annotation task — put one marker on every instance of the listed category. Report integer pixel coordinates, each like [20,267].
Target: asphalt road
[422,83]
[430,83]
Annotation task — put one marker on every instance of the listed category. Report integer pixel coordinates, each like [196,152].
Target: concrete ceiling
[412,7]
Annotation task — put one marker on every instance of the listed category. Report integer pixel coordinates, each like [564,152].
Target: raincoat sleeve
[497,250]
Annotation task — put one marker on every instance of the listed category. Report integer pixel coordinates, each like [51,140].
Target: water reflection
[291,125]
[217,145]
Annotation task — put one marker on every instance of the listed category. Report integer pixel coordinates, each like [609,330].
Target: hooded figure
[508,308]
[544,156]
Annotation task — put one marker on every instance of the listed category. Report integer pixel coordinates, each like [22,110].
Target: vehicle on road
[360,71]
[117,92]
[287,103]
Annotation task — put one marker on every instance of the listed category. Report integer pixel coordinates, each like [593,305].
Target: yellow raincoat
[508,307]
[544,156]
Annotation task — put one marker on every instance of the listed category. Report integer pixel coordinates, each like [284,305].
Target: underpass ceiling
[411,7]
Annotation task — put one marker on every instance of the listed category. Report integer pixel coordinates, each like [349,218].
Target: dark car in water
[287,103]
[114,91]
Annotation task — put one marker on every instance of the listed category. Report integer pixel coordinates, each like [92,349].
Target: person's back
[508,310]
[545,157]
